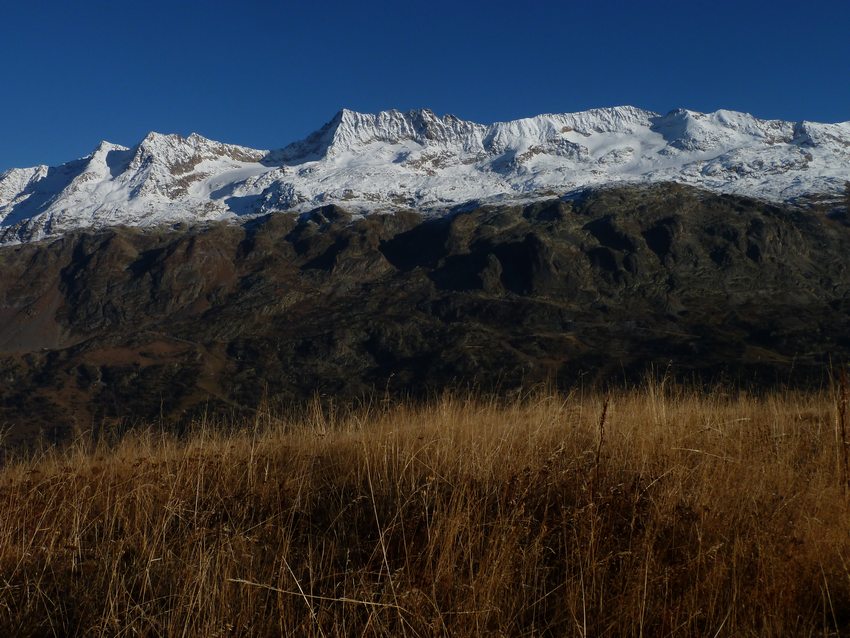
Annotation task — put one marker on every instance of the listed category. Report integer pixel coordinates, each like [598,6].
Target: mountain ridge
[417,159]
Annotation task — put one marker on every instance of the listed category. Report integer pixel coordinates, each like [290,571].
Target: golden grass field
[652,512]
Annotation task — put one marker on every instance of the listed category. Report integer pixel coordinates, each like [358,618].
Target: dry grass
[655,513]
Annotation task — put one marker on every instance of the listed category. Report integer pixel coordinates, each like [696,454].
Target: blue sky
[263,74]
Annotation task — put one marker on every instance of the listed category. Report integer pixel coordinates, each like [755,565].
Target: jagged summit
[350,130]
[382,161]
[106,146]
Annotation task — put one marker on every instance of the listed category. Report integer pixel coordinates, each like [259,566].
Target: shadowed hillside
[128,324]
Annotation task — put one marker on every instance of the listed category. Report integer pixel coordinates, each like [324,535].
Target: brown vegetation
[658,512]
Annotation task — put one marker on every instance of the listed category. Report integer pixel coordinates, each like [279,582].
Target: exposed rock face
[129,324]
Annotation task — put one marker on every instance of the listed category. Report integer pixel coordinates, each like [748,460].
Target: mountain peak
[344,115]
[350,130]
[155,138]
[104,147]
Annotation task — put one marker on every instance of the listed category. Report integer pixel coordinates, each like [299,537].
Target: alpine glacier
[416,159]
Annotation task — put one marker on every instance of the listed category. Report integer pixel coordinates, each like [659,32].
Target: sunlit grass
[654,512]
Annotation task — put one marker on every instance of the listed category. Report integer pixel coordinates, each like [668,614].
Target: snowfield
[416,159]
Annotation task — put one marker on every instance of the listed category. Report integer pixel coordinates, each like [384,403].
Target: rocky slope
[394,160]
[126,324]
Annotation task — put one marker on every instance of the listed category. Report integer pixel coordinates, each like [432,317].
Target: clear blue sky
[263,74]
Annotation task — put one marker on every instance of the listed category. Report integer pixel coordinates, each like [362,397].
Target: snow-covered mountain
[416,159]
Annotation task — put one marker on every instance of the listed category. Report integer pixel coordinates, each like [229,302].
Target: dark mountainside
[127,325]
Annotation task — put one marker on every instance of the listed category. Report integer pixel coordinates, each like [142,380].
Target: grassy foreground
[651,513]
